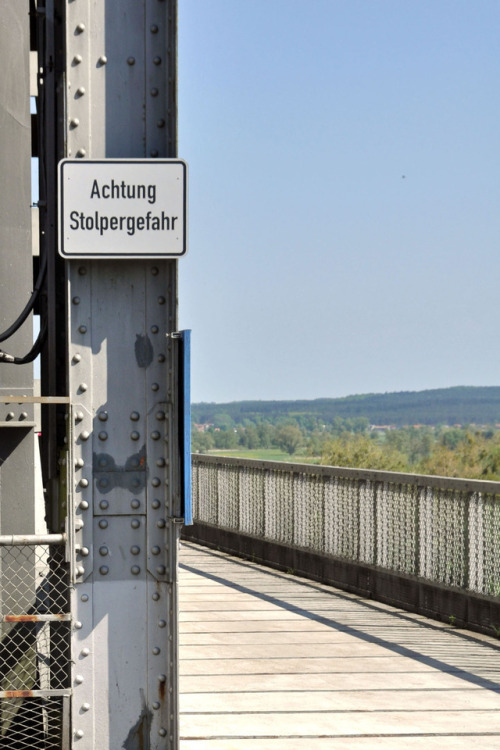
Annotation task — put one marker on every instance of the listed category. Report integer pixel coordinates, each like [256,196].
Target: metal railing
[444,530]
[35,626]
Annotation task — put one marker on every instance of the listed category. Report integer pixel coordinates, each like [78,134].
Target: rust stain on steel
[18,693]
[163,686]
[32,618]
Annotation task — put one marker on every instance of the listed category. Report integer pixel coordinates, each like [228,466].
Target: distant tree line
[446,406]
[465,451]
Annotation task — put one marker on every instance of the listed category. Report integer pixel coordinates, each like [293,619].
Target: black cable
[30,305]
[35,350]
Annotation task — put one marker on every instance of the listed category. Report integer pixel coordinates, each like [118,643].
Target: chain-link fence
[34,644]
[444,530]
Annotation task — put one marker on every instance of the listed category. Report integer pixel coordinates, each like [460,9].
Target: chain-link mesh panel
[228,494]
[397,520]
[34,645]
[252,501]
[33,723]
[438,529]
[278,489]
[342,518]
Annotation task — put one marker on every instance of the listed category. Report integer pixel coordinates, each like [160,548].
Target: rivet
[103,524]
[135,570]
[135,416]
[156,651]
[84,551]
[80,90]
[155,504]
[103,482]
[81,153]
[80,570]
[161,523]
[84,597]
[74,122]
[76,300]
[102,60]
[155,435]
[154,329]
[161,300]
[131,60]
[79,463]
[162,624]
[157,60]
[103,462]
[162,732]
[79,679]
[135,523]
[78,625]
[135,550]
[104,570]
[156,482]
[135,504]
[85,706]
[79,416]
[155,597]
[84,435]
[156,550]
[154,271]
[82,271]
[104,505]
[103,416]
[85,651]
[103,551]
[77,58]
[154,151]
[80,28]
[83,482]
[162,678]
[154,29]
[103,436]
[79,733]
[10,415]
[155,387]
[83,505]
[160,123]
[23,415]
[156,705]
[154,91]
[161,358]
[77,358]
[134,435]
[160,416]
[161,570]
[83,387]
[160,462]
[82,329]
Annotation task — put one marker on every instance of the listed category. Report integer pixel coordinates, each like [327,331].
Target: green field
[267,454]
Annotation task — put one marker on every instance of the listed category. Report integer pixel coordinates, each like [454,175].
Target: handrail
[392,477]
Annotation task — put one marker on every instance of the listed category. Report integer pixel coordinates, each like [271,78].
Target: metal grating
[34,646]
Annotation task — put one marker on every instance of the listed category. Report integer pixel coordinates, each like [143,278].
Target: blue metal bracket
[185,425]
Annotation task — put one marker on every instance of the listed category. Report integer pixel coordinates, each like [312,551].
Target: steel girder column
[17,446]
[121,102]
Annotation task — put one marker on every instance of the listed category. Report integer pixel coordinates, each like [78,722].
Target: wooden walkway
[273,662]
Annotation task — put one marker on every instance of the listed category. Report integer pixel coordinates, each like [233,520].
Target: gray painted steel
[17,446]
[124,460]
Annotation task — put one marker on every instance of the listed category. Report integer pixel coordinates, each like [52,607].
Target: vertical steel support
[17,439]
[123,438]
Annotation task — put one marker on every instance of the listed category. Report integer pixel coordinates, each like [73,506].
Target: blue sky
[344,195]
